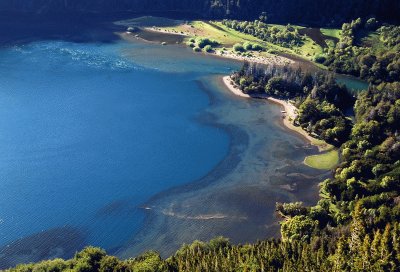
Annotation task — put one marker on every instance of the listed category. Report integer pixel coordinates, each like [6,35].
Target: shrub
[202,42]
[257,47]
[320,58]
[196,49]
[248,46]
[208,48]
[238,48]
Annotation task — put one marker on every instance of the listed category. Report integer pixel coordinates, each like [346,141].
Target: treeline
[350,249]
[370,171]
[362,198]
[287,36]
[326,12]
[370,168]
[322,102]
[377,61]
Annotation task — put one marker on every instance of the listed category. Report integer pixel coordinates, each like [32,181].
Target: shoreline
[278,60]
[257,58]
[212,205]
[289,112]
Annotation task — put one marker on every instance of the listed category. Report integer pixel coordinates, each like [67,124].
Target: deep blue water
[88,134]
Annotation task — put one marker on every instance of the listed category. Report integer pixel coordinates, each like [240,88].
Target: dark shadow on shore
[20,28]
[59,242]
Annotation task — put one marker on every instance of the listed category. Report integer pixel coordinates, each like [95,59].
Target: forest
[325,12]
[373,57]
[322,102]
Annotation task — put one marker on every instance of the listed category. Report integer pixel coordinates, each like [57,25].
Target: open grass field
[331,32]
[324,161]
[314,43]
[228,37]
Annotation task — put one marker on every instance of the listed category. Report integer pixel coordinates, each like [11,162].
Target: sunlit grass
[324,161]
[331,32]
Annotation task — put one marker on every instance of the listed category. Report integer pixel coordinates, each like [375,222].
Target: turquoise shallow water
[88,134]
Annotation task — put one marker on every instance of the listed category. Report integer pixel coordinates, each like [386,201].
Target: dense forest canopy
[325,12]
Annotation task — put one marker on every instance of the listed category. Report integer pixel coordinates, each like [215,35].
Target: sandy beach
[289,112]
[257,58]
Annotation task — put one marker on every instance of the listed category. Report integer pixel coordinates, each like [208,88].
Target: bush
[208,49]
[248,46]
[299,227]
[320,58]
[196,49]
[202,42]
[257,47]
[238,48]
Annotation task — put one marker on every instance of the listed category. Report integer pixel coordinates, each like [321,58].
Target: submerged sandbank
[237,198]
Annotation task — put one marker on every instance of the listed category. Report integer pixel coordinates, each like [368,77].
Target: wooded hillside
[294,11]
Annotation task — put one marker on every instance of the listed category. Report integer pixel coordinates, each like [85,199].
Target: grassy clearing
[324,161]
[331,32]
[228,37]
[309,49]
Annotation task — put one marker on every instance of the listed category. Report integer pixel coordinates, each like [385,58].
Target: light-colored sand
[289,113]
[233,88]
[256,57]
[164,31]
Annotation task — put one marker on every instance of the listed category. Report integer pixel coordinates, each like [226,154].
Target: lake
[133,146]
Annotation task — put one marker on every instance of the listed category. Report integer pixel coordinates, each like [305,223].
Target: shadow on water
[19,28]
[54,243]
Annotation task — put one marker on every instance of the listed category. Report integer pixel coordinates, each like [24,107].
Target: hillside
[307,12]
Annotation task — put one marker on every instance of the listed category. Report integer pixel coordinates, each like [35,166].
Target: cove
[133,146]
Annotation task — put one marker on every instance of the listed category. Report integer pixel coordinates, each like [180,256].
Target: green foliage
[208,48]
[291,209]
[320,58]
[355,249]
[287,36]
[377,60]
[203,42]
[321,100]
[191,44]
[299,227]
[238,48]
